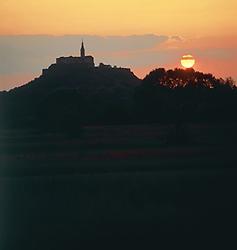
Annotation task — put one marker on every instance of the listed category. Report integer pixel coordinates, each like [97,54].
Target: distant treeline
[72,99]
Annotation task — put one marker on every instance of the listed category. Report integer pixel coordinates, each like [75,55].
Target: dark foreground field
[128,187]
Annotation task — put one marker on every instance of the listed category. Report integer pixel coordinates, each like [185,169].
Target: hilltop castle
[83,61]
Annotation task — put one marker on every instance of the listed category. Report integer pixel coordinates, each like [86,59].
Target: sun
[187,61]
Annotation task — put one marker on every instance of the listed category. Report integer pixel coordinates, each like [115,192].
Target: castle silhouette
[82,61]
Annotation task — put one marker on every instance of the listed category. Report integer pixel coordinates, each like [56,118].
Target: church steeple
[82,50]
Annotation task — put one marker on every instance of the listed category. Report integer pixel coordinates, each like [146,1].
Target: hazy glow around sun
[187,61]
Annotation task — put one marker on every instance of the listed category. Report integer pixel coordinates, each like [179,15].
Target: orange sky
[214,54]
[207,29]
[106,17]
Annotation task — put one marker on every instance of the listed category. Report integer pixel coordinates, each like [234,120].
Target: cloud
[26,55]
[30,53]
[23,57]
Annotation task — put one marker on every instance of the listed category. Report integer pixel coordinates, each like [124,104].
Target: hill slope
[71,93]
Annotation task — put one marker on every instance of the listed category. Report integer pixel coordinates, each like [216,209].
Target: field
[129,187]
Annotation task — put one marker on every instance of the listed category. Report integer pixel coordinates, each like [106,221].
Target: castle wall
[87,60]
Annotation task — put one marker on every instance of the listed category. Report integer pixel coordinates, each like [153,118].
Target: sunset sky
[207,29]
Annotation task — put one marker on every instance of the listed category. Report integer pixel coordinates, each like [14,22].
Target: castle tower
[82,50]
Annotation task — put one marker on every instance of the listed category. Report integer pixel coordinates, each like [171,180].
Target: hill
[71,93]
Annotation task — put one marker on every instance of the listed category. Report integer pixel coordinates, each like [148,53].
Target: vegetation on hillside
[70,98]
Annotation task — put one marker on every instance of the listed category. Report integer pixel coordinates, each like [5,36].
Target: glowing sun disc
[187,61]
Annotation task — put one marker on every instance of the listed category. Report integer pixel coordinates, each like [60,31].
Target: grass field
[122,187]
